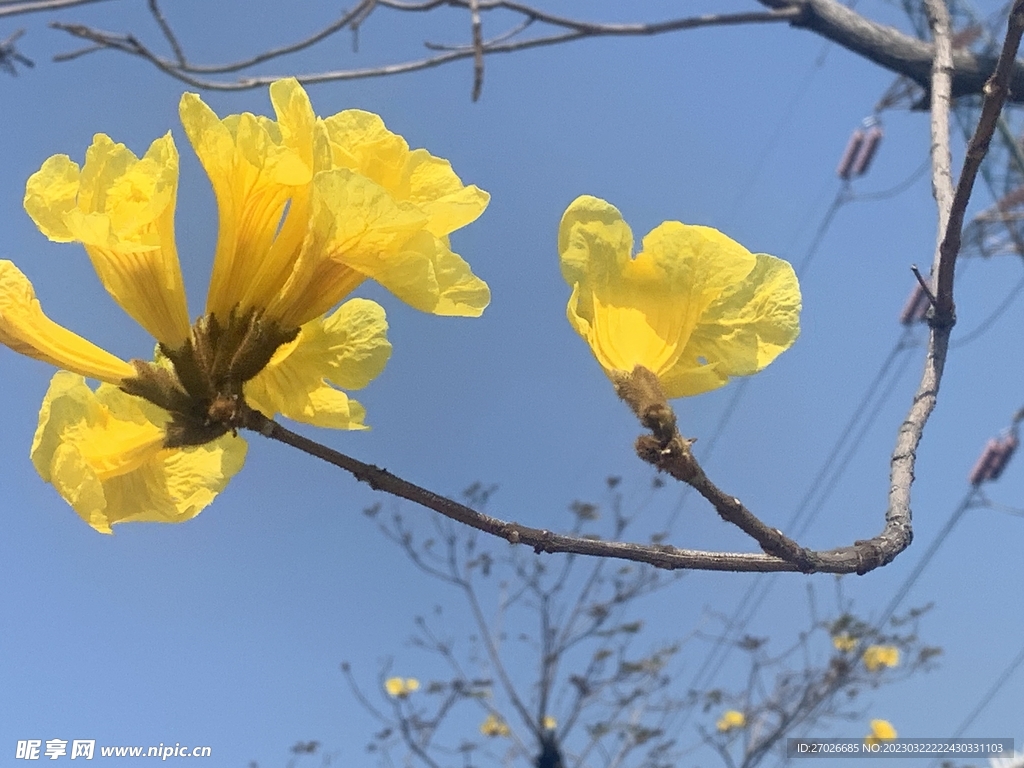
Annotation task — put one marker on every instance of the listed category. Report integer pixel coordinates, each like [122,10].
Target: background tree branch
[896,51]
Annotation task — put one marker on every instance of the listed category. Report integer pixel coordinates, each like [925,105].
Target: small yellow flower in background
[400,687]
[494,726]
[549,723]
[729,720]
[844,643]
[881,730]
[309,209]
[878,656]
[694,307]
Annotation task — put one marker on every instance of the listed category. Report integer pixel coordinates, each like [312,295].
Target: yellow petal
[427,275]
[103,452]
[592,238]
[25,329]
[256,167]
[436,190]
[358,231]
[754,321]
[51,193]
[347,349]
[122,209]
[361,142]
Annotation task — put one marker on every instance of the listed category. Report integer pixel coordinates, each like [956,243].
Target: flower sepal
[201,383]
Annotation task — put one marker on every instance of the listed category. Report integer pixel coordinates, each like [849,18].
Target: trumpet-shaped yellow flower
[730,720]
[309,208]
[844,642]
[881,730]
[494,726]
[324,204]
[401,687]
[121,209]
[104,451]
[694,307]
[877,657]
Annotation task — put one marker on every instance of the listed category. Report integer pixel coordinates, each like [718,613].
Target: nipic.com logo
[85,749]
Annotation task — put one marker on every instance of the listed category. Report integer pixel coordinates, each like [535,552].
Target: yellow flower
[494,726]
[729,720]
[400,687]
[881,730]
[844,642]
[878,656]
[325,204]
[694,307]
[309,208]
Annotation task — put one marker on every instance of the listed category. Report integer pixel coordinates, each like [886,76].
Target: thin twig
[941,92]
[996,92]
[923,283]
[172,40]
[841,560]
[35,6]
[197,75]
[478,48]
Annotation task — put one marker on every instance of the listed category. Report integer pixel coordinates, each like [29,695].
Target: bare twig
[199,75]
[941,90]
[35,6]
[667,450]
[923,283]
[889,48]
[996,92]
[898,52]
[859,558]
[9,54]
[478,48]
[172,40]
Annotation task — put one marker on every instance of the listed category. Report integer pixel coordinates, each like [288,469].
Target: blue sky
[229,630]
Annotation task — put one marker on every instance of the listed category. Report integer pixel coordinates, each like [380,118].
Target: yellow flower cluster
[494,726]
[878,657]
[401,687]
[730,720]
[844,643]
[694,307]
[881,730]
[309,208]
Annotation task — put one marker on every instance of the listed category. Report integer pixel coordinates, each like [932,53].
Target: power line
[986,698]
[901,593]
[827,478]
[993,316]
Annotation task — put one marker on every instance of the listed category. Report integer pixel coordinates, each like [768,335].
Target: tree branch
[859,558]
[35,6]
[898,52]
[198,75]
